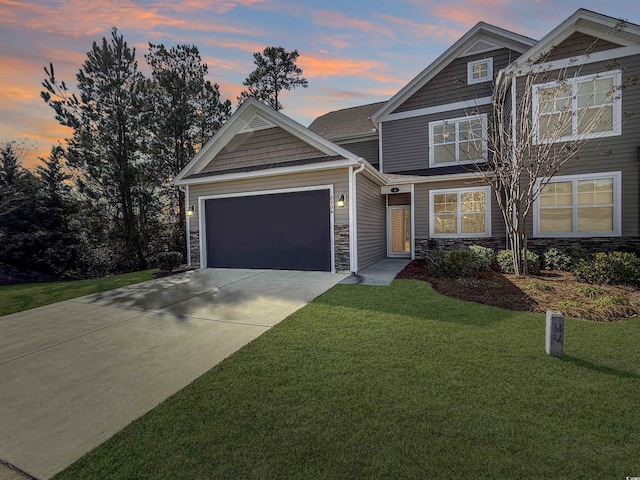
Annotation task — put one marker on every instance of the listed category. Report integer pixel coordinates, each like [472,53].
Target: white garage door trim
[202,216]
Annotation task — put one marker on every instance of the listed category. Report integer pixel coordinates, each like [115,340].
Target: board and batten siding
[367,149]
[339,178]
[421,207]
[262,147]
[371,217]
[405,142]
[614,154]
[450,85]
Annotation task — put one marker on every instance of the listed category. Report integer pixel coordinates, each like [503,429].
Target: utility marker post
[554,335]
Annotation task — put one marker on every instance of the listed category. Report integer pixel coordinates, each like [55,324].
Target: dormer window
[480,71]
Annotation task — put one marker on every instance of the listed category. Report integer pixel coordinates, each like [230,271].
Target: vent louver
[258,122]
[480,46]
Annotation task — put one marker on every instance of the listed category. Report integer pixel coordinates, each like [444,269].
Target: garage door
[288,231]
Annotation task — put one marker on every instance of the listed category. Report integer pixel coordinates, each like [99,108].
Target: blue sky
[352,52]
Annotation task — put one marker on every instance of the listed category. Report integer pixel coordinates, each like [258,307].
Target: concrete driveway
[74,373]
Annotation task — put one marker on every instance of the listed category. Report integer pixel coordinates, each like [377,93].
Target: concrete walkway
[379,274]
[75,372]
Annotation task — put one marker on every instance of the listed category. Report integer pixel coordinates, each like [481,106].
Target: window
[480,71]
[458,141]
[579,206]
[578,108]
[460,212]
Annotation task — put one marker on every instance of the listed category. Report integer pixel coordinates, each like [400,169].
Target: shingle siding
[579,44]
[450,85]
[372,245]
[261,147]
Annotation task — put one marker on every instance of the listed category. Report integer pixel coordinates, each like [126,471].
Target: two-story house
[380,180]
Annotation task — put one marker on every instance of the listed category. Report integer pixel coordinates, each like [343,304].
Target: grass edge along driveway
[397,382]
[16,298]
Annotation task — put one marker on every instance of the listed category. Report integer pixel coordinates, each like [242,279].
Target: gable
[450,85]
[580,43]
[481,39]
[261,147]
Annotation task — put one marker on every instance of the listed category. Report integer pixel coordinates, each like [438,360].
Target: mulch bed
[551,290]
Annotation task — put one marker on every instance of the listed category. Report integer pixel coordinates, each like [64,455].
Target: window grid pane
[456,141]
[460,213]
[590,102]
[592,202]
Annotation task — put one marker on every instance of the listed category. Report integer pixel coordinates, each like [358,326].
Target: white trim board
[457,191]
[202,214]
[476,102]
[269,172]
[617,206]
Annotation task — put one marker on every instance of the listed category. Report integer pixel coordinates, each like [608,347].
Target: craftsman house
[380,180]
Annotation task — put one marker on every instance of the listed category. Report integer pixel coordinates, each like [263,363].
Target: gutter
[353,216]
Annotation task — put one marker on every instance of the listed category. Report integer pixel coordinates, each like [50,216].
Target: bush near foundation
[505,261]
[168,261]
[614,268]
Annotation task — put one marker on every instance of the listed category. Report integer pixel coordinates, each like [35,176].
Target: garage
[280,230]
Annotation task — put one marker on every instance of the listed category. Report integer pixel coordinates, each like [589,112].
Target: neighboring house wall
[261,147]
[371,217]
[339,178]
[367,149]
[422,218]
[450,85]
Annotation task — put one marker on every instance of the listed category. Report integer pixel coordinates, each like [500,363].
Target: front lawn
[397,382]
[16,298]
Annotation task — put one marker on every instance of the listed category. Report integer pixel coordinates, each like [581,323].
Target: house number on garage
[331,204]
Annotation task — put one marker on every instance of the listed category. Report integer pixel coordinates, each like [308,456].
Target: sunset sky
[352,52]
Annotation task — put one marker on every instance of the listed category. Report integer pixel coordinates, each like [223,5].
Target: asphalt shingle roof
[345,123]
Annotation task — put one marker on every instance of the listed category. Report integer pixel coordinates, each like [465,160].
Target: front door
[399,231]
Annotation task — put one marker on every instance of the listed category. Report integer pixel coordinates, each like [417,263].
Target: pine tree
[276,70]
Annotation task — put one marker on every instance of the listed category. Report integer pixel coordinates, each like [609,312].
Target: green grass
[16,298]
[398,382]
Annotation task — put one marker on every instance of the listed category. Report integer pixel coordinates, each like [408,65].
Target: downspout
[187,222]
[353,217]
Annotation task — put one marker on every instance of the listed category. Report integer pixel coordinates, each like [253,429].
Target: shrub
[591,292]
[454,263]
[458,263]
[505,261]
[541,287]
[168,261]
[435,261]
[609,301]
[564,258]
[618,268]
[483,257]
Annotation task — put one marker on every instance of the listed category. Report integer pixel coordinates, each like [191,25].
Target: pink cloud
[79,18]
[323,66]
[338,20]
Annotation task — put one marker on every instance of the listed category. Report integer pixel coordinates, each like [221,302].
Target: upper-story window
[458,140]
[578,108]
[480,71]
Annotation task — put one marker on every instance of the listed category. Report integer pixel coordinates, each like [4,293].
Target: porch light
[341,200]
[191,211]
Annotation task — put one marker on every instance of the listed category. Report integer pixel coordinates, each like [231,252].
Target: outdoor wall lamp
[341,200]
[191,211]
